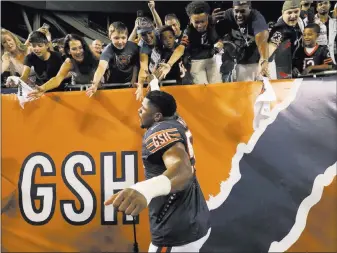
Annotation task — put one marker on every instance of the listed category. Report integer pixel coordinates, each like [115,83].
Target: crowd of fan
[196,55]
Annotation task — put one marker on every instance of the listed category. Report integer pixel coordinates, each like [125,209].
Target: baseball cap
[145,25]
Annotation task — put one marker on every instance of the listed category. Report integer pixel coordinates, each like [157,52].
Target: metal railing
[319,74]
[81,87]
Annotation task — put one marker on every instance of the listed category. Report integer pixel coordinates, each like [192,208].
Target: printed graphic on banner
[54,185]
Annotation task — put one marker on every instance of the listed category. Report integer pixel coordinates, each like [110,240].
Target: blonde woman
[14,54]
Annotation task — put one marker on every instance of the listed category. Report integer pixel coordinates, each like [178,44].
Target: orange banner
[64,153]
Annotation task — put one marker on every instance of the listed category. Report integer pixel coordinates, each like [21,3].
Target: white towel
[23,90]
[154,84]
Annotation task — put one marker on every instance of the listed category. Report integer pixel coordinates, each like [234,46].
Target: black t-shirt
[281,32]
[163,55]
[198,45]
[243,36]
[121,62]
[45,70]
[178,38]
[83,73]
[183,217]
[320,55]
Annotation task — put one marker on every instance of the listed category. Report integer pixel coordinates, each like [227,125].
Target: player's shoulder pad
[162,135]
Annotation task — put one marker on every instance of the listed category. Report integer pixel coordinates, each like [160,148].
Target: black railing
[82,87]
[319,74]
[115,85]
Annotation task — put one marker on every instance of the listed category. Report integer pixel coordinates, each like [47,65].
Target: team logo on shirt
[277,38]
[123,61]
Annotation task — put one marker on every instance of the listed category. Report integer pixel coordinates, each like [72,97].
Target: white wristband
[154,84]
[154,187]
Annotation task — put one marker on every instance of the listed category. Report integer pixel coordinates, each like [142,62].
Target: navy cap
[239,3]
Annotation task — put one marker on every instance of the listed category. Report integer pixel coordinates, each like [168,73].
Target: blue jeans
[227,77]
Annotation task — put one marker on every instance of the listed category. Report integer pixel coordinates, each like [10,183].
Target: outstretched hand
[163,70]
[129,201]
[37,93]
[92,90]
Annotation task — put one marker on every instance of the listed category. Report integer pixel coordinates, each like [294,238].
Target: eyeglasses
[306,4]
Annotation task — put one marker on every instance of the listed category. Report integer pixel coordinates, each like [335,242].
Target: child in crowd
[312,57]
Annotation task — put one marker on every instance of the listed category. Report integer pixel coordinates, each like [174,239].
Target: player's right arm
[168,143]
[178,174]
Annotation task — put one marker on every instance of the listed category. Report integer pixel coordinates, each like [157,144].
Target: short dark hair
[119,27]
[171,16]
[240,3]
[313,26]
[321,1]
[37,37]
[197,8]
[166,28]
[164,101]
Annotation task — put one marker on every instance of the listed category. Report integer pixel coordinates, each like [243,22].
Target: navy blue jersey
[319,56]
[182,217]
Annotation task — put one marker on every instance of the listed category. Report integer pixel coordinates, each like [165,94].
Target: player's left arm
[178,167]
[179,172]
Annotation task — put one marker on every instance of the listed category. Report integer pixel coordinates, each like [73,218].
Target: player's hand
[151,5]
[129,201]
[139,93]
[37,93]
[218,15]
[91,91]
[164,69]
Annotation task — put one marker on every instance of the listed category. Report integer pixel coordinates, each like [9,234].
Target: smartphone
[140,13]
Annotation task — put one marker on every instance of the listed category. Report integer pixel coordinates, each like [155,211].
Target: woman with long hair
[80,63]
[14,54]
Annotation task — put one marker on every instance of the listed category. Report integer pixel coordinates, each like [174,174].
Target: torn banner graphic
[278,174]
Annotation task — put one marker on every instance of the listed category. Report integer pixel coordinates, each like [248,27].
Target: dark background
[98,11]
